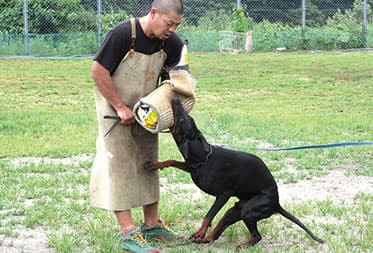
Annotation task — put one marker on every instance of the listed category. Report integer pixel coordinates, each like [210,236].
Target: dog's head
[188,138]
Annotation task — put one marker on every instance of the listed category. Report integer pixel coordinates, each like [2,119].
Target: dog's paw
[151,166]
[201,240]
[198,237]
[243,246]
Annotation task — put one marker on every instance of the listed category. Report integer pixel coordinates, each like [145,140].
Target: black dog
[225,173]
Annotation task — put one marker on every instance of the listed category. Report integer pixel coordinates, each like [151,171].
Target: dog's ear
[206,146]
[184,149]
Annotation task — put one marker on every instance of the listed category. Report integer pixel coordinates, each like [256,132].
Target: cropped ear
[184,149]
[205,145]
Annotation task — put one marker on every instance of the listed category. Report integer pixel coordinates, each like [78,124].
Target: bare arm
[102,78]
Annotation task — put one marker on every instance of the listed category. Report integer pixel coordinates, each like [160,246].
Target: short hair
[166,6]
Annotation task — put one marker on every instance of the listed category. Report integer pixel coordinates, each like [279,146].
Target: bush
[11,44]
[76,43]
[42,46]
[348,26]
[213,21]
[201,41]
[49,44]
[329,38]
[269,36]
[370,36]
[109,20]
[240,21]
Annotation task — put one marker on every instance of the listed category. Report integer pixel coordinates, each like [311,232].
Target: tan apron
[118,178]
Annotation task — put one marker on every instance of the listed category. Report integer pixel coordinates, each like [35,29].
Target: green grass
[262,99]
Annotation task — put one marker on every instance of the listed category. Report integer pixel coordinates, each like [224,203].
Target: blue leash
[332,145]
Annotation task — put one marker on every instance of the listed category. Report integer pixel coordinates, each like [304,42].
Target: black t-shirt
[118,43]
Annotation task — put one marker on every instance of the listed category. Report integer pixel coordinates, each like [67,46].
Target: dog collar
[196,165]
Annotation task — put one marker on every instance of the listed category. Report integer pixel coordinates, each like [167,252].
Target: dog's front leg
[220,201]
[155,165]
[201,232]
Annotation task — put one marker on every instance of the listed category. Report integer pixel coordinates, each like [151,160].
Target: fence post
[99,22]
[303,23]
[25,28]
[365,23]
[238,4]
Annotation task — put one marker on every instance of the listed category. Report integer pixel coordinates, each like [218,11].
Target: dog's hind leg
[257,208]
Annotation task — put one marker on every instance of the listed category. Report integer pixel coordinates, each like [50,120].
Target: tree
[196,9]
[51,16]
[271,10]
[10,13]
[289,12]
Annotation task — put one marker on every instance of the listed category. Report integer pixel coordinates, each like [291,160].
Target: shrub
[42,45]
[109,20]
[11,44]
[348,26]
[240,21]
[269,36]
[214,21]
[201,41]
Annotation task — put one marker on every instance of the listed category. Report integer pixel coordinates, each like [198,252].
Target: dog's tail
[291,217]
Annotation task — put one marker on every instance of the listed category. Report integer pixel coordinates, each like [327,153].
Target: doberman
[225,173]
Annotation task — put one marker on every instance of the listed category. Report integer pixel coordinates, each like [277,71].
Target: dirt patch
[74,161]
[335,186]
[27,241]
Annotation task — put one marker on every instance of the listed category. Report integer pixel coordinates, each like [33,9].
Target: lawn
[47,118]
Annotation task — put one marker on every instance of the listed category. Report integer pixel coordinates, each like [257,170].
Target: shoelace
[140,239]
[164,225]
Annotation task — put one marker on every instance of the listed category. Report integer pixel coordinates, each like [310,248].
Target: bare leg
[151,214]
[125,222]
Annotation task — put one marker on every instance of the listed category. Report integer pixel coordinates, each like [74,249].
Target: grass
[262,99]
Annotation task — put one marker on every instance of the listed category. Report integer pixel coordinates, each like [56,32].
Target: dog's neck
[198,157]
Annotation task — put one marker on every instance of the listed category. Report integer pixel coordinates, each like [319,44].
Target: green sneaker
[159,232]
[135,243]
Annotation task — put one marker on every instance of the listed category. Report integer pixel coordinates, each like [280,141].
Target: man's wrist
[120,106]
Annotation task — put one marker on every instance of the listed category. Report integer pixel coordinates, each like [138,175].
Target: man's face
[164,25]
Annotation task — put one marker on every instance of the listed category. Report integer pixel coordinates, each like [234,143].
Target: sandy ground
[335,186]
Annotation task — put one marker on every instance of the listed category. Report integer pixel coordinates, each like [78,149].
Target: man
[126,68]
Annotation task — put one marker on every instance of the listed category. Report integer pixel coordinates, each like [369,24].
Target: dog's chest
[207,182]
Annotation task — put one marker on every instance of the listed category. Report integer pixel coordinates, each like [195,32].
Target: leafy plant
[350,23]
[109,20]
[240,21]
[214,21]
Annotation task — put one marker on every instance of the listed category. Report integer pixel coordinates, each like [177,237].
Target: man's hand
[126,115]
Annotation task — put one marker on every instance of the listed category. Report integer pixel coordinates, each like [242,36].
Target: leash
[331,145]
[117,120]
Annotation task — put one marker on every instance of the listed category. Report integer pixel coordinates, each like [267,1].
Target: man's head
[165,17]
[166,6]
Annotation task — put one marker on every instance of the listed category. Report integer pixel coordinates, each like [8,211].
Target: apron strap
[161,49]
[133,35]
[133,38]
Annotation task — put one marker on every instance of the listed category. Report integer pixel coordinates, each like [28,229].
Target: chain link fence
[77,27]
